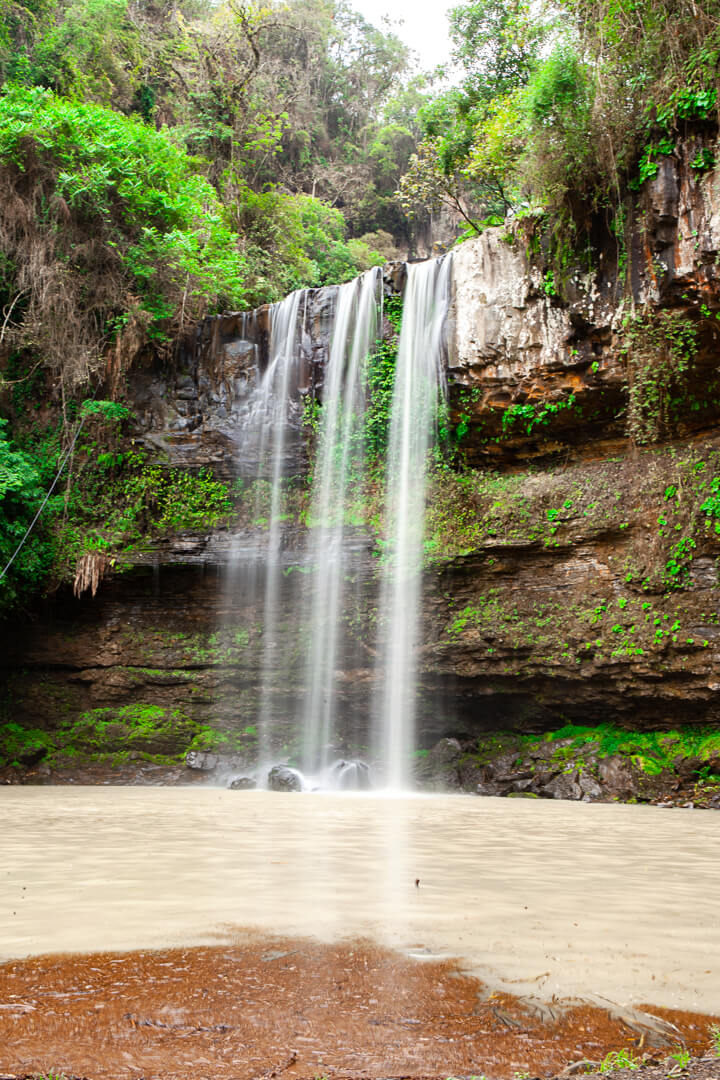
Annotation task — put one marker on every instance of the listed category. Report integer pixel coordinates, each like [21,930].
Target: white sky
[423,26]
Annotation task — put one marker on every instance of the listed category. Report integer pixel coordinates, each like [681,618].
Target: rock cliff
[572,571]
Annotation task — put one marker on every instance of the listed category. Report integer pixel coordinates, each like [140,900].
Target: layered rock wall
[572,576]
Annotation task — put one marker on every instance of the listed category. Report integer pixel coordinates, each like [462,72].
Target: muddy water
[555,898]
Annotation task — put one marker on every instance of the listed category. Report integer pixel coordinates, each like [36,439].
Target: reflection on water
[548,897]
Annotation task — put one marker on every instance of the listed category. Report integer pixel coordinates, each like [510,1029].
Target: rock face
[582,591]
[527,336]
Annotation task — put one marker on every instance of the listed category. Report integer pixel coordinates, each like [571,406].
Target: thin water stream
[548,898]
[338,469]
[418,390]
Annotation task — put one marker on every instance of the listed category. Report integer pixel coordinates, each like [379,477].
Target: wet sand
[550,898]
[294,1009]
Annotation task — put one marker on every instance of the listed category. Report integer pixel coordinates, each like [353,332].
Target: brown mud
[299,1009]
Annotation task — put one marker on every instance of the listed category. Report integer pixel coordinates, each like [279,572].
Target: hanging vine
[659,350]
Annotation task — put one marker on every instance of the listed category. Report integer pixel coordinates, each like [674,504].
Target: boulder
[616,777]
[350,776]
[501,766]
[491,787]
[440,767]
[284,778]
[201,760]
[564,786]
[445,752]
[688,767]
[542,777]
[589,786]
[243,783]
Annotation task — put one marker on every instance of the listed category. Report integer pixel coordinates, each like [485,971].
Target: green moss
[652,752]
[108,734]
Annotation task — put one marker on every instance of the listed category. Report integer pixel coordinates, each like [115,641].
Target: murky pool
[551,898]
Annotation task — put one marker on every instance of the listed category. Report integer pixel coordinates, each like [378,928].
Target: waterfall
[274,406]
[338,468]
[324,592]
[418,390]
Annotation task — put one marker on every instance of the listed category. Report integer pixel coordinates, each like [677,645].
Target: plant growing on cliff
[102,215]
[659,350]
[120,501]
[22,489]
[381,380]
[532,417]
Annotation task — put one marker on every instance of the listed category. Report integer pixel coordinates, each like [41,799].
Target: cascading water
[418,391]
[333,555]
[338,467]
[272,418]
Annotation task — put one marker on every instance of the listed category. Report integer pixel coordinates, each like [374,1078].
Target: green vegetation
[659,352]
[380,382]
[111,735]
[677,491]
[121,501]
[715,1036]
[652,764]
[23,480]
[620,1059]
[562,114]
[531,417]
[161,250]
[652,752]
[112,501]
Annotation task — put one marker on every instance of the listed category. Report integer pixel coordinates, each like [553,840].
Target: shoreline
[302,1009]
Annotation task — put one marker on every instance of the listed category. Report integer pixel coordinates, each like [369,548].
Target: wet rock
[616,777]
[589,786]
[283,778]
[545,751]
[688,767]
[491,787]
[542,777]
[502,767]
[440,767]
[243,783]
[469,774]
[564,786]
[350,776]
[521,785]
[201,760]
[445,752]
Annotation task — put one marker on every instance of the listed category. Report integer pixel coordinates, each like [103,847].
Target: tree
[471,134]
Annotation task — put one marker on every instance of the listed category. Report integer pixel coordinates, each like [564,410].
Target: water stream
[418,392]
[338,471]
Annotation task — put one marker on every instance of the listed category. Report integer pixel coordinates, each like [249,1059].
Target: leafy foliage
[104,215]
[564,110]
[660,350]
[21,493]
